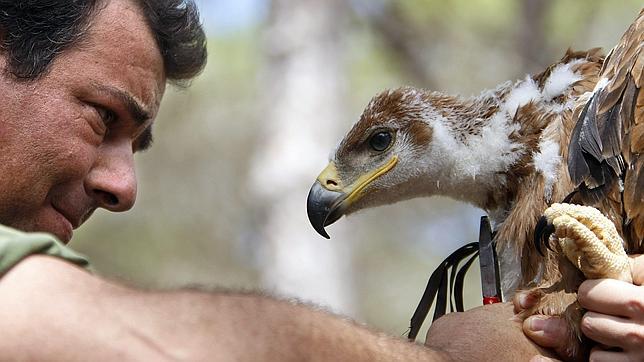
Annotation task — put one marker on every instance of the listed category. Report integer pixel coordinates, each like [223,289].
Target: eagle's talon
[549,231]
[542,233]
[588,239]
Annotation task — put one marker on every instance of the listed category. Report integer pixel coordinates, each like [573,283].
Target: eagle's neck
[487,146]
[483,147]
[475,143]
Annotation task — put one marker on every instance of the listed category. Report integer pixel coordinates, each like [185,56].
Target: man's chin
[65,238]
[63,231]
[48,220]
[59,226]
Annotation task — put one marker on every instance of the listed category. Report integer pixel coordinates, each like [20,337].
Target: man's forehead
[121,39]
[123,13]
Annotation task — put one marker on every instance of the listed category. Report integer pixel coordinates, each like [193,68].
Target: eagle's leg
[590,241]
[586,241]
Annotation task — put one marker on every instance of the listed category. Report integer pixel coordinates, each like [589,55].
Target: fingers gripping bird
[506,151]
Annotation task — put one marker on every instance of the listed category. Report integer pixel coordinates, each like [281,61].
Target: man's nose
[112,180]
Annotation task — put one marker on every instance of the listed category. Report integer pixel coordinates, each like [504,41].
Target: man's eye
[106,115]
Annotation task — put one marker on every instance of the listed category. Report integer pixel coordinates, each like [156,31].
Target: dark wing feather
[607,142]
[577,164]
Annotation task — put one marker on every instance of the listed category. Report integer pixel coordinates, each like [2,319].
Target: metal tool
[490,280]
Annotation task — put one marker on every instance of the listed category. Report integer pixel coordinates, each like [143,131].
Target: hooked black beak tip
[322,209]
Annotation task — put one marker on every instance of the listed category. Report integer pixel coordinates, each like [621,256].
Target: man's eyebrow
[134,109]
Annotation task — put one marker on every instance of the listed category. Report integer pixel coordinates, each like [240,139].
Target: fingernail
[536,323]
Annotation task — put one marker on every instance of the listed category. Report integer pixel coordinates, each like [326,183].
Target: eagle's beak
[323,207]
[329,198]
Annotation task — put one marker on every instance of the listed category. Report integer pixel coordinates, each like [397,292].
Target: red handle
[491,300]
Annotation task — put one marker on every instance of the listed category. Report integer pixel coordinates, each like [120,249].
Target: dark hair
[179,35]
[34,32]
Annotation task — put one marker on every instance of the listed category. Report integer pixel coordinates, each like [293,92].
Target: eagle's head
[383,159]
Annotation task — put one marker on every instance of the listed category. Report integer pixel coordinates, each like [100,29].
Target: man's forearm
[51,310]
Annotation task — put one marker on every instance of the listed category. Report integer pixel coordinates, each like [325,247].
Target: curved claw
[542,233]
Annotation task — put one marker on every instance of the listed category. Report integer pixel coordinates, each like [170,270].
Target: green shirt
[16,245]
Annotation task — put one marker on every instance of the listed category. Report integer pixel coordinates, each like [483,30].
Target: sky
[222,17]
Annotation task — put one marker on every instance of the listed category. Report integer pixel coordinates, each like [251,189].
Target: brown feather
[616,111]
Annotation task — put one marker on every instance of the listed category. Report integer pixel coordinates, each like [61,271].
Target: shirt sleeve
[16,245]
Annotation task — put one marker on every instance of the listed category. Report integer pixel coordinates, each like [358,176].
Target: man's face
[67,140]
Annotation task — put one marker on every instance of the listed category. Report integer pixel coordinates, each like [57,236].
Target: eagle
[572,132]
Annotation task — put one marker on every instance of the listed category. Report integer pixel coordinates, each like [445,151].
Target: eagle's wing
[605,153]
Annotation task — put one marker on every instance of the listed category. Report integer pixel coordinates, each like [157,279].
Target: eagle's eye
[380,141]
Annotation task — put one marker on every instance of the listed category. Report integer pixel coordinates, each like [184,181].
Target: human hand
[546,331]
[615,318]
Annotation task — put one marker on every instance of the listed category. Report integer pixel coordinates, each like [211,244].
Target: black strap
[460,281]
[437,287]
[446,274]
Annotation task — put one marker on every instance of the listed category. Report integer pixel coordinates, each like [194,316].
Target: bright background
[222,193]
